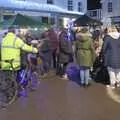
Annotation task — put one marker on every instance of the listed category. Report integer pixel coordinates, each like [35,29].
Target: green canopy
[26,21]
[85,20]
[21,21]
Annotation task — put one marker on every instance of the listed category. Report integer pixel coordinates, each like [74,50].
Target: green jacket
[85,53]
[10,49]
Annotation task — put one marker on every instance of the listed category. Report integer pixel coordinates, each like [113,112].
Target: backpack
[73,72]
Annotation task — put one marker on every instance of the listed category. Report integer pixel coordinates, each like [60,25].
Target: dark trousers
[54,58]
[61,68]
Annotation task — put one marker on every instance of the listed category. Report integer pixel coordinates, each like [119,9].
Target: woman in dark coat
[111,52]
[85,54]
[65,52]
[45,53]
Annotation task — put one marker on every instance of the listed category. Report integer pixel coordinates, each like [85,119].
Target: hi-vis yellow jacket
[10,49]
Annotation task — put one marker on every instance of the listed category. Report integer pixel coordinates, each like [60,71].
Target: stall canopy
[34,7]
[85,20]
[22,20]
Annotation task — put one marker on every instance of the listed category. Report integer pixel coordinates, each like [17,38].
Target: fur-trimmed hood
[114,35]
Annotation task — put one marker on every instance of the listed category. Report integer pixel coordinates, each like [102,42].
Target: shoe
[44,75]
[87,85]
[65,77]
[117,85]
[23,93]
[110,86]
[82,85]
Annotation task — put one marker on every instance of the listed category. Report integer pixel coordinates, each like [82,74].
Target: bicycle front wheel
[8,89]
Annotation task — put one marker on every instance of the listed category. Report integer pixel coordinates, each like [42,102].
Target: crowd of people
[57,52]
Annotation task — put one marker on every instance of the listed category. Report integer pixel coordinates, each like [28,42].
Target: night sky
[93,4]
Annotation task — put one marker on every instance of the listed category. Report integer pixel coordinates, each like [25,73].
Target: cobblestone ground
[58,99]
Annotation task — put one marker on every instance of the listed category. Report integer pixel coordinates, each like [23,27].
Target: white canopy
[34,7]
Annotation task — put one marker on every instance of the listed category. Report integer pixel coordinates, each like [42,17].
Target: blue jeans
[84,76]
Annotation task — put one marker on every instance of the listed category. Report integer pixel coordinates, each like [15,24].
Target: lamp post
[1,15]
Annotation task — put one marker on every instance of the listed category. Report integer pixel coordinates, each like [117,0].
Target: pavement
[58,99]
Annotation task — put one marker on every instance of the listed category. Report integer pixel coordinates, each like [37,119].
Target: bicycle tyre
[9,91]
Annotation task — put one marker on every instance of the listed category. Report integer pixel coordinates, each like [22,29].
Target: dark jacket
[85,53]
[46,46]
[54,43]
[111,51]
[65,48]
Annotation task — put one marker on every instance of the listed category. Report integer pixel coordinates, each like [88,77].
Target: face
[46,33]
[29,34]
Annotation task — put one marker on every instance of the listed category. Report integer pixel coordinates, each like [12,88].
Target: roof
[34,7]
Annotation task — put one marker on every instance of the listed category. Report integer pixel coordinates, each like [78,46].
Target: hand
[40,44]
[91,68]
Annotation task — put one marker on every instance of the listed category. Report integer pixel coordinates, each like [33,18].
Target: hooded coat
[111,50]
[65,50]
[85,53]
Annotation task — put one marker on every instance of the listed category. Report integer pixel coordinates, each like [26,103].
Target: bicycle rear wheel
[8,89]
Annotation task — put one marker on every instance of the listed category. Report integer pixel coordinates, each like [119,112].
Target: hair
[105,31]
[84,30]
[110,29]
[118,28]
[11,29]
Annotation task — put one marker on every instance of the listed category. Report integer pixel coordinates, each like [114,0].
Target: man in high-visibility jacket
[11,46]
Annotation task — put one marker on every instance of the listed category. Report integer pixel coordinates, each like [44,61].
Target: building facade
[110,12]
[95,14]
[69,9]
[67,5]
[70,5]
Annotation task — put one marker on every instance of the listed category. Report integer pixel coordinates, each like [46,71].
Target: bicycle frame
[32,71]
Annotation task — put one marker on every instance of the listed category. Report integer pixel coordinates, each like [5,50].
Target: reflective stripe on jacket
[10,49]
